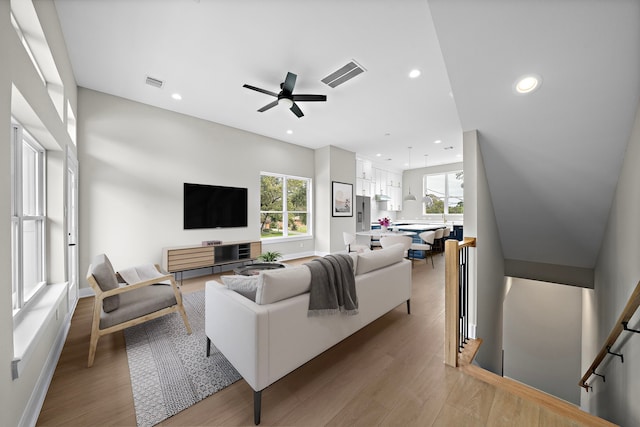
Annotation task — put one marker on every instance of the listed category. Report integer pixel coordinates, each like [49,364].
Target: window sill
[28,329]
[271,240]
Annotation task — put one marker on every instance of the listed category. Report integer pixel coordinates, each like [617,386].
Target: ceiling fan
[286,95]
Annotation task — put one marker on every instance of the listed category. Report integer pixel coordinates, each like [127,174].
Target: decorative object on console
[211,242]
[342,199]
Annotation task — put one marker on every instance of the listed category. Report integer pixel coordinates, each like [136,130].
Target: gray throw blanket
[333,286]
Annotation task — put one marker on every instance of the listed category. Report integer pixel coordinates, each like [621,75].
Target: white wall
[616,275]
[542,336]
[414,178]
[134,160]
[332,164]
[487,286]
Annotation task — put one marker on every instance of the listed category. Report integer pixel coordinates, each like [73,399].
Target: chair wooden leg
[185,319]
[93,344]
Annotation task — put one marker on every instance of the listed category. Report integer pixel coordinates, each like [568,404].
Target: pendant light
[428,202]
[409,197]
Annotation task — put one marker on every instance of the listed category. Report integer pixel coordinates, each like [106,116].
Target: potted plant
[270,256]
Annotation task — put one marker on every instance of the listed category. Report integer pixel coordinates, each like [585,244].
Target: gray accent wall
[616,275]
[488,285]
[542,336]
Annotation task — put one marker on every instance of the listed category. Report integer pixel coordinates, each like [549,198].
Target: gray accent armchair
[118,306]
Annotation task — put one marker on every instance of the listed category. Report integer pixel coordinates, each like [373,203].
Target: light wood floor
[389,373]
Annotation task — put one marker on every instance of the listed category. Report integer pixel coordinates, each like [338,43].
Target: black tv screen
[213,206]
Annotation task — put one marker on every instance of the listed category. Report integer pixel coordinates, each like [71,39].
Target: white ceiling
[206,50]
[552,157]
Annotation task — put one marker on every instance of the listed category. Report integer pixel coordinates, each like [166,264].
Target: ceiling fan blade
[296,110]
[266,107]
[309,97]
[289,83]
[257,89]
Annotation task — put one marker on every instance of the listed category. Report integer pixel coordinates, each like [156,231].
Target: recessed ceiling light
[176,96]
[437,141]
[458,155]
[528,83]
[414,73]
[289,131]
[378,155]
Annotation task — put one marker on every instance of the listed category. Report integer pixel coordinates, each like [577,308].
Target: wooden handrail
[452,298]
[625,316]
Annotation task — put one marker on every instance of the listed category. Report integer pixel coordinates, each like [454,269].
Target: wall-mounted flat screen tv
[214,206]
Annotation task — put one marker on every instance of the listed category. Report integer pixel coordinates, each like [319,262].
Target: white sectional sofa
[268,339]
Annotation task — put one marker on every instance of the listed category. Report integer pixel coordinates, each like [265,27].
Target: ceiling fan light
[285,102]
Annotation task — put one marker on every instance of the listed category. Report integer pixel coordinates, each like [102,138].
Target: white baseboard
[34,406]
[472,331]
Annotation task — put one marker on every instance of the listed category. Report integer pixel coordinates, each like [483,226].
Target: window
[443,193]
[284,206]
[27,217]
[25,43]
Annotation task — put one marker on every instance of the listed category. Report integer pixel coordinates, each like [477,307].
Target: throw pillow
[246,286]
[283,283]
[374,260]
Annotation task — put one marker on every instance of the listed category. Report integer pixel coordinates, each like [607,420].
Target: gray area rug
[169,369]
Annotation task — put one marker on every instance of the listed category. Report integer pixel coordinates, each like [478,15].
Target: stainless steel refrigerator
[363,213]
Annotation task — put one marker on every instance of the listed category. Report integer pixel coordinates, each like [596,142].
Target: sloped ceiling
[552,157]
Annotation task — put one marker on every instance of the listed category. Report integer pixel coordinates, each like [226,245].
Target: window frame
[20,139]
[447,195]
[285,211]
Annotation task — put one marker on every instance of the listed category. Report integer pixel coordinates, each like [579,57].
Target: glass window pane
[296,194]
[455,184]
[271,224]
[435,190]
[297,224]
[271,193]
[14,264]
[29,180]
[32,243]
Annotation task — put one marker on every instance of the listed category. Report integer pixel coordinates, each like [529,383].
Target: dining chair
[426,247]
[386,241]
[352,246]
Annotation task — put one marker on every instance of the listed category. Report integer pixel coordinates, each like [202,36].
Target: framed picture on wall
[342,199]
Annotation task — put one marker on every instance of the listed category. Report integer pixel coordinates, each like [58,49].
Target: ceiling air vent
[345,73]
[154,82]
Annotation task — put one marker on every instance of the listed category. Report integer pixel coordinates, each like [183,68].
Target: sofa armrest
[238,327]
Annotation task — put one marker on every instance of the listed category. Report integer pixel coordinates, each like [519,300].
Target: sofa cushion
[102,271]
[283,283]
[374,260]
[246,286]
